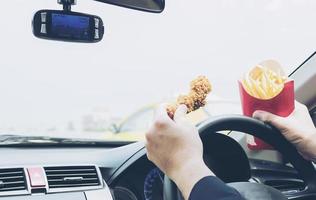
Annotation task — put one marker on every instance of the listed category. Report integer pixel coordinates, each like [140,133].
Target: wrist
[309,146]
[189,174]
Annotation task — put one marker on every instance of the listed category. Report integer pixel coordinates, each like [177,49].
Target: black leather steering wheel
[270,135]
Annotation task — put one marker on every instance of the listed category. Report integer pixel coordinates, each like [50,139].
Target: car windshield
[108,90]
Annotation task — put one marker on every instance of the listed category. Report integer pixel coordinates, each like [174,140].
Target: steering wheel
[270,135]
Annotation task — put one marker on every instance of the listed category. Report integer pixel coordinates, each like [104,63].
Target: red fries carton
[259,93]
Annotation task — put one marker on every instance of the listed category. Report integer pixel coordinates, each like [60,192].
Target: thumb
[270,118]
[180,113]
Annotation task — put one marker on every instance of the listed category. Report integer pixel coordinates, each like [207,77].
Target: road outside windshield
[108,90]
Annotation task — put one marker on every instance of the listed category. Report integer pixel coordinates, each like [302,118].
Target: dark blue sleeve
[211,188]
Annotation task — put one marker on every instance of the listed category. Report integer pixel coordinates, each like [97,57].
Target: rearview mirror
[67,26]
[155,6]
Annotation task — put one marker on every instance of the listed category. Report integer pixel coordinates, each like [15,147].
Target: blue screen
[70,26]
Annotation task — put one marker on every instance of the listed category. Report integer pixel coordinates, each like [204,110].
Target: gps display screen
[70,26]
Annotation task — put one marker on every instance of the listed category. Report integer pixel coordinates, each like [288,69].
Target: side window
[138,122]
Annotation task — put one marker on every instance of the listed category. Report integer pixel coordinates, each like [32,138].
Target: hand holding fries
[265,87]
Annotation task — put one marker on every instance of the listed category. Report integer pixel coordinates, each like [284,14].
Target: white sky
[143,57]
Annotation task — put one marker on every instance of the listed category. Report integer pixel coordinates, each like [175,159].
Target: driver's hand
[298,128]
[176,148]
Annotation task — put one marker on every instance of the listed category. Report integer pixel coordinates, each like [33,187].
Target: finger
[300,106]
[297,103]
[180,113]
[149,135]
[161,112]
[161,118]
[270,118]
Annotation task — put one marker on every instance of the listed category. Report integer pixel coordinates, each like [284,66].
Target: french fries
[264,83]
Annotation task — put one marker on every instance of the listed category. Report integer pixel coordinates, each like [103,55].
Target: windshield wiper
[45,141]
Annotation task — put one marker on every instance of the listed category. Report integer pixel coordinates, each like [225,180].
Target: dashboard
[119,173]
[60,173]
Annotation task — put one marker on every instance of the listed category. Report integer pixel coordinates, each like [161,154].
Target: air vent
[286,184]
[12,180]
[72,177]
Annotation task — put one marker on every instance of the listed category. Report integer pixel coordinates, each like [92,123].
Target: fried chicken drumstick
[199,89]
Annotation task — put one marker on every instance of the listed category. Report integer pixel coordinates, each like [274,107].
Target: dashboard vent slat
[12,179]
[72,176]
[286,184]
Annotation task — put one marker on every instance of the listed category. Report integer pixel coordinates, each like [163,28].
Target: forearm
[212,188]
[189,174]
[309,149]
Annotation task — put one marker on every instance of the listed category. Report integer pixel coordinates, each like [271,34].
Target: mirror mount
[67,4]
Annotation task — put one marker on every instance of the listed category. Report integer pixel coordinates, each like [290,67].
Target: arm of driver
[195,169]
[176,148]
[212,188]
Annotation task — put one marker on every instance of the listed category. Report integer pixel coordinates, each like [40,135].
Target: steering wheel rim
[261,130]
